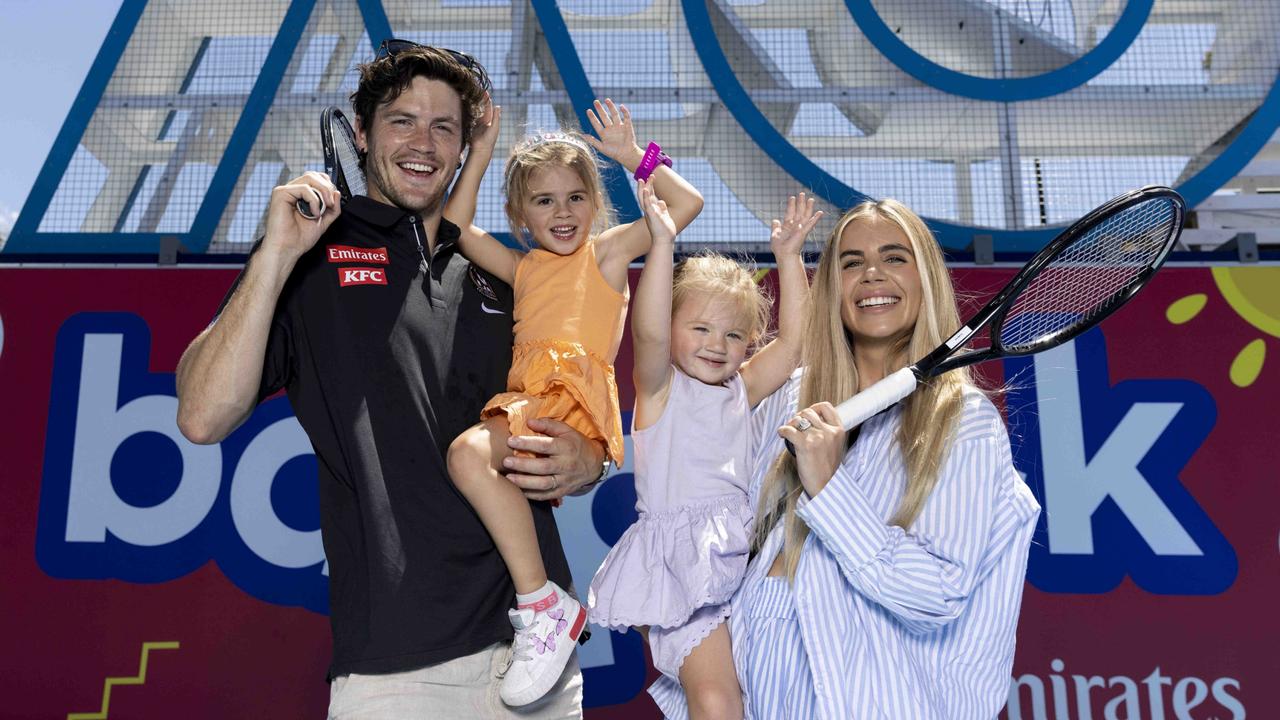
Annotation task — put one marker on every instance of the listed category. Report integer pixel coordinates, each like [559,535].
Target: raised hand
[484,134]
[661,227]
[617,135]
[787,235]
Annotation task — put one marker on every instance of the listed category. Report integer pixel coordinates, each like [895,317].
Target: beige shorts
[465,687]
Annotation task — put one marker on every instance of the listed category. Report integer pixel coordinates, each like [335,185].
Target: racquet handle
[304,208]
[855,411]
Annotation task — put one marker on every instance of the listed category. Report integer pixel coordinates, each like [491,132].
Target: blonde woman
[889,562]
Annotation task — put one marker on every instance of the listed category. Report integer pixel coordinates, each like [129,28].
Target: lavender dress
[675,569]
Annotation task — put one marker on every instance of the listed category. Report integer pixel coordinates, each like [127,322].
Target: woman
[889,562]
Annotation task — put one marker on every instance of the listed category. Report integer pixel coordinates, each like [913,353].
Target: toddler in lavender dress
[672,572]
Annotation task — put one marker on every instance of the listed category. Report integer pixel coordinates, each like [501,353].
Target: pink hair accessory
[652,156]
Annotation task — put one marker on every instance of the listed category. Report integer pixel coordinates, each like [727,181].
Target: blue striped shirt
[896,624]
[766,637]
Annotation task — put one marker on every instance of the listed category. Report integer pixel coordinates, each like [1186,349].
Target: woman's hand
[788,234]
[819,447]
[617,135]
[661,227]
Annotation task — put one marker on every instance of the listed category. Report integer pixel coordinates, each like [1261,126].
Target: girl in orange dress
[571,298]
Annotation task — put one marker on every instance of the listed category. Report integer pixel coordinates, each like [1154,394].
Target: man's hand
[288,232]
[567,460]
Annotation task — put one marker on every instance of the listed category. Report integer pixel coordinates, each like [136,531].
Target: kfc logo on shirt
[347,253]
[361,276]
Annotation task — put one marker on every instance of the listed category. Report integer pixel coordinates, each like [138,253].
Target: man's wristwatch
[604,473]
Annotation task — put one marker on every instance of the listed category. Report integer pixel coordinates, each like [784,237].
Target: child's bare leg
[474,459]
[709,680]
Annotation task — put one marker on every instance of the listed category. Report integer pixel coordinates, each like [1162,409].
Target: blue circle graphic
[1036,87]
[1243,147]
[295,495]
[146,469]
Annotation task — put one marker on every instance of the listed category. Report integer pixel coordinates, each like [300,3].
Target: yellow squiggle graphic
[111,682]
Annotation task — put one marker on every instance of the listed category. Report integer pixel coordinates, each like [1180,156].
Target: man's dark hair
[383,79]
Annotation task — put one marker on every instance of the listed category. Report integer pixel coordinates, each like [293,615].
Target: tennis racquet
[341,160]
[1082,276]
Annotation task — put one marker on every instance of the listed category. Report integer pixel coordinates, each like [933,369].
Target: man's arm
[567,462]
[220,373]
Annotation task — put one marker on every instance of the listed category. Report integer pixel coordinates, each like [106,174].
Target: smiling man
[389,343]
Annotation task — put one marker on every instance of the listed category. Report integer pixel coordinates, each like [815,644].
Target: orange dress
[568,326]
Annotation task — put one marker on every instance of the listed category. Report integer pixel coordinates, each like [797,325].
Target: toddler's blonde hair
[716,275]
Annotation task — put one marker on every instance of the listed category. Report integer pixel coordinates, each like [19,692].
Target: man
[389,343]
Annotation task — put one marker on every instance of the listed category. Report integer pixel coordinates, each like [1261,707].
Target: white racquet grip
[855,411]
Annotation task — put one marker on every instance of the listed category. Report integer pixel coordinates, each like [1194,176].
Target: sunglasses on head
[392,47]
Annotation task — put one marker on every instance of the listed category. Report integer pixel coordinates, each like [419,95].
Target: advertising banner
[145,576]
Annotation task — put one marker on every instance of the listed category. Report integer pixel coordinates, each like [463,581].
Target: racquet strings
[347,157]
[341,158]
[341,161]
[1096,268]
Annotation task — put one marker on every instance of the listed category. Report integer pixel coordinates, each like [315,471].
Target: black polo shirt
[385,365]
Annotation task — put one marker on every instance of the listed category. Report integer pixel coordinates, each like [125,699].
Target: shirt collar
[374,212]
[447,235]
[386,216]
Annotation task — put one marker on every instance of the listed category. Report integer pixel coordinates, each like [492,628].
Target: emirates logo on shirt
[347,253]
[361,276]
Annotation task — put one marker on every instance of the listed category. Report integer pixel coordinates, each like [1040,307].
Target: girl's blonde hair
[564,148]
[716,275]
[928,416]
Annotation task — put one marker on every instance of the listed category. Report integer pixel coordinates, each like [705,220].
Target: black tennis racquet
[1082,276]
[341,160]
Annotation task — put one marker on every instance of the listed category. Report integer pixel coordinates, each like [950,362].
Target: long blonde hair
[928,415]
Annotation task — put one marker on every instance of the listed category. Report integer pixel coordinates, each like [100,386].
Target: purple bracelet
[652,156]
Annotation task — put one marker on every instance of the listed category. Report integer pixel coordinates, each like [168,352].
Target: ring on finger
[803,424]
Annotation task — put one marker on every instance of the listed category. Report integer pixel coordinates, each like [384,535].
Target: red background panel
[242,657]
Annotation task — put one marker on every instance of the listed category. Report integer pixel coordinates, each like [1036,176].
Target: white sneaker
[543,643]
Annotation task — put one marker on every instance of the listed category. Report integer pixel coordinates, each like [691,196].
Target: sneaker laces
[522,644]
